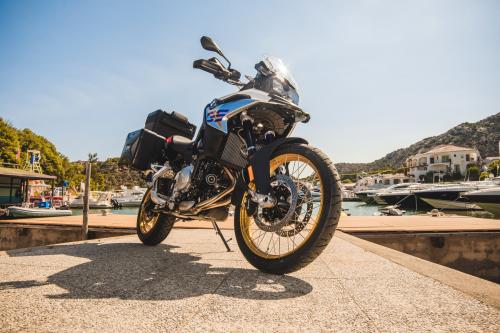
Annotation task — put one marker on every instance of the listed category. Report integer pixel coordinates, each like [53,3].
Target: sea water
[354,208]
[359,208]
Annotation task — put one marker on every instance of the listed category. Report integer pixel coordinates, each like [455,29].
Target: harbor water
[354,208]
[359,208]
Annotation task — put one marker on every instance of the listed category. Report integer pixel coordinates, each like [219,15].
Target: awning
[19,173]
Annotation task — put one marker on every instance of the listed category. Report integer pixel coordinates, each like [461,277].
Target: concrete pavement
[190,283]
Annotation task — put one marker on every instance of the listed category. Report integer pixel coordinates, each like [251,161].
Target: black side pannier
[143,148]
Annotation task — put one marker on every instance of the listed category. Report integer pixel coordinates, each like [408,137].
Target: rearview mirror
[208,44]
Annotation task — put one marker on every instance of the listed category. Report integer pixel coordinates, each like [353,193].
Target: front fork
[257,170]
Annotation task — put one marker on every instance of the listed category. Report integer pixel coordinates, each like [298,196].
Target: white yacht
[450,196]
[97,200]
[487,198]
[129,197]
[403,197]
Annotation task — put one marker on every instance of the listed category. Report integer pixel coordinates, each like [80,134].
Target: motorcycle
[286,194]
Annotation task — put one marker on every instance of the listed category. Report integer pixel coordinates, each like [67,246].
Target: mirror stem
[229,62]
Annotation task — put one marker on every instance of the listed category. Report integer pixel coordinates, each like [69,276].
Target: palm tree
[92,157]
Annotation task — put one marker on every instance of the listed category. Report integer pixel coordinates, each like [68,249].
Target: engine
[208,180]
[193,185]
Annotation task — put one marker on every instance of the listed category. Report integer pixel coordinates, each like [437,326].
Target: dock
[467,244]
[190,283]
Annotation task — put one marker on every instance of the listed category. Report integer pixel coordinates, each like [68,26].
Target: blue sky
[374,75]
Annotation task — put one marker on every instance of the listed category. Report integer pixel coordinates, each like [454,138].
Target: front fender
[257,170]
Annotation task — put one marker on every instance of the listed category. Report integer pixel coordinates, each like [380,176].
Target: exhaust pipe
[154,190]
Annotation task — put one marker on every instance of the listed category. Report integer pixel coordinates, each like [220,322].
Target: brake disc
[279,183]
[296,225]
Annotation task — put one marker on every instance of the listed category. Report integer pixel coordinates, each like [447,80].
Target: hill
[106,174]
[483,135]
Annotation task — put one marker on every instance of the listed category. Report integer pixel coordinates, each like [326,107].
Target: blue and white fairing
[217,115]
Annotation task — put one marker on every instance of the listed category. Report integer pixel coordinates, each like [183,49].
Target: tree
[93,157]
[484,175]
[52,161]
[473,173]
[9,143]
[494,168]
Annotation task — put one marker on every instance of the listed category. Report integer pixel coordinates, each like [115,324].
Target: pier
[191,283]
[468,244]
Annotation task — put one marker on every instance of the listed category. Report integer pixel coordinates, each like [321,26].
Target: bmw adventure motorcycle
[286,194]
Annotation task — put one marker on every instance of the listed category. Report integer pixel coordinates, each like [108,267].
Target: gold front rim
[290,238]
[147,222]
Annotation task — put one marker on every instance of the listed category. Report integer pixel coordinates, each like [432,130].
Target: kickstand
[217,231]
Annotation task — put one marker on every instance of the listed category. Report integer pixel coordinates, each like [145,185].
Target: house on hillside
[441,161]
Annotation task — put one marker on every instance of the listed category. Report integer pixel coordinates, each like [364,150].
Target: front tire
[261,250]
[152,228]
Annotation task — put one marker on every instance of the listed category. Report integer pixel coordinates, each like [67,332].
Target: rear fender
[258,170]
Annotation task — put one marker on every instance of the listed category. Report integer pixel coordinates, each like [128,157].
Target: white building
[380,181]
[441,161]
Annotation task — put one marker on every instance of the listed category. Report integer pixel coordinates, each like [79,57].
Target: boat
[448,197]
[15,211]
[403,197]
[377,199]
[315,194]
[128,198]
[487,198]
[97,200]
[367,196]
[370,196]
[390,211]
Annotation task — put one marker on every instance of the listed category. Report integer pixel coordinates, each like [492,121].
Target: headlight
[284,90]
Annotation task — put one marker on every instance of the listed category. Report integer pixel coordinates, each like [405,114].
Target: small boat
[128,198]
[488,199]
[316,194]
[15,211]
[96,200]
[391,211]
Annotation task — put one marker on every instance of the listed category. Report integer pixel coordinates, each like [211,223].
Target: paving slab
[190,283]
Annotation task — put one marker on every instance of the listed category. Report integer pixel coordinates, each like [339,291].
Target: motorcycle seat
[180,144]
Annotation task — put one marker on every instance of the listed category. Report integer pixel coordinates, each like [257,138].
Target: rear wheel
[292,234]
[152,227]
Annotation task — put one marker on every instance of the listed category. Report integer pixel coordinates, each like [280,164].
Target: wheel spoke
[259,233]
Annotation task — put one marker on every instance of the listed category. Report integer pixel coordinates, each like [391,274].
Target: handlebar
[215,67]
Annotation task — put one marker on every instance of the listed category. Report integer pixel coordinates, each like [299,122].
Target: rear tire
[152,228]
[321,234]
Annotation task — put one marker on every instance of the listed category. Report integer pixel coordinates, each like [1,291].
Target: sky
[374,75]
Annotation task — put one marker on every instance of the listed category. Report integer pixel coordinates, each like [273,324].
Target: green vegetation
[106,175]
[9,142]
[484,175]
[473,173]
[494,168]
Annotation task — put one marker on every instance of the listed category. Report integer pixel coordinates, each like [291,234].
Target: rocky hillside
[483,135]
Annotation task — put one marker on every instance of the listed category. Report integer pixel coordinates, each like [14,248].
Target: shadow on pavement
[137,272]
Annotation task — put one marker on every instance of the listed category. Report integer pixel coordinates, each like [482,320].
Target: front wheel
[298,228]
[152,227]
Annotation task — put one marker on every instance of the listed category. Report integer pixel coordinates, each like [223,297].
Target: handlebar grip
[206,66]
